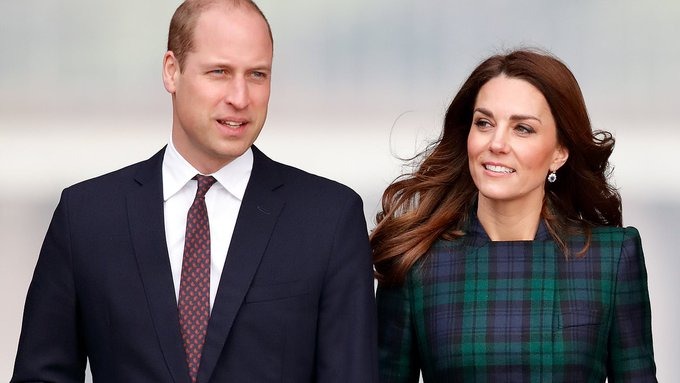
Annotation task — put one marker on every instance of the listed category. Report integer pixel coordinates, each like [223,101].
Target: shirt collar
[177,171]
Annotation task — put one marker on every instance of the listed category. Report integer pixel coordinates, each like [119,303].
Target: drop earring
[552,177]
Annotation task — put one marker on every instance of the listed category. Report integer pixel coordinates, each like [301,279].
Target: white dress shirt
[223,201]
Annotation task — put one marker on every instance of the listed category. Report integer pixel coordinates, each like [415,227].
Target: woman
[502,258]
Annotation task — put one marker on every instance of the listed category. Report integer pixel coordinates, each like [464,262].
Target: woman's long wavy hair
[435,200]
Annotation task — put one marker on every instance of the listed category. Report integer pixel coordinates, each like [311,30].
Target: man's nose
[237,93]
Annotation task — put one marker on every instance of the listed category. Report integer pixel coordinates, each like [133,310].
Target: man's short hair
[183,23]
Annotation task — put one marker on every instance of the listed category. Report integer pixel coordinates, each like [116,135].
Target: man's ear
[171,72]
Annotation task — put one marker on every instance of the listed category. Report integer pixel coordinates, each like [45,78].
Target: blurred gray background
[356,84]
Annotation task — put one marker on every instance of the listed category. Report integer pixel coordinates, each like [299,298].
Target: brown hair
[180,35]
[436,199]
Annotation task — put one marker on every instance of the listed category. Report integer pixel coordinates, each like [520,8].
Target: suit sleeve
[347,344]
[50,347]
[398,357]
[631,357]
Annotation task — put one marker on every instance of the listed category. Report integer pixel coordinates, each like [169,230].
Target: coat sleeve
[50,347]
[398,356]
[631,357]
[346,342]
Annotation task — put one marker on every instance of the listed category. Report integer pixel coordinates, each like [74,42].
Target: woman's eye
[482,123]
[523,129]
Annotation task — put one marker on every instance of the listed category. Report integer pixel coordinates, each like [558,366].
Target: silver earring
[552,177]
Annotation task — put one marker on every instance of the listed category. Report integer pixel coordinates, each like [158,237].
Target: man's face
[220,97]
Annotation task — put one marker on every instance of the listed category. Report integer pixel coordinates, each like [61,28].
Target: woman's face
[512,144]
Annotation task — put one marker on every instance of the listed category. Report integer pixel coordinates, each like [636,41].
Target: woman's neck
[508,220]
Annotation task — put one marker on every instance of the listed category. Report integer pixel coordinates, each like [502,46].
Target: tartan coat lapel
[495,298]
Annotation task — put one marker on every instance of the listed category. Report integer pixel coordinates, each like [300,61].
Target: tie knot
[204,183]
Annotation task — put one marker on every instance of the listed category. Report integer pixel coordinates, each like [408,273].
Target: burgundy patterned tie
[194,288]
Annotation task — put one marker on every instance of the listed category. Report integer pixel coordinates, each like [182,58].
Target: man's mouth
[231,124]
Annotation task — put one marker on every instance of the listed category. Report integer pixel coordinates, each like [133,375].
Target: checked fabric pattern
[194,290]
[474,310]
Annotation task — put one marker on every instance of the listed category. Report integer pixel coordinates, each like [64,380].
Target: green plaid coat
[473,310]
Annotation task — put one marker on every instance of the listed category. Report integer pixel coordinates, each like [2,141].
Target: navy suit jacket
[295,301]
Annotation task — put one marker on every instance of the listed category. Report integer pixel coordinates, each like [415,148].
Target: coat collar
[474,231]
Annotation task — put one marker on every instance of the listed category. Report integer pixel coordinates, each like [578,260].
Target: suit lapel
[255,223]
[145,212]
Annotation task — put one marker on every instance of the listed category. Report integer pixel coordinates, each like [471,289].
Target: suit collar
[149,171]
[147,230]
[266,173]
[255,224]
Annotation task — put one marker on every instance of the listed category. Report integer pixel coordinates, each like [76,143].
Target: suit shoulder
[120,178]
[106,178]
[305,183]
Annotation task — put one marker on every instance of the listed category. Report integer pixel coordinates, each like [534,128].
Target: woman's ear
[560,157]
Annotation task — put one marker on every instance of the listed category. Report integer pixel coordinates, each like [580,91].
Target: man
[208,262]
